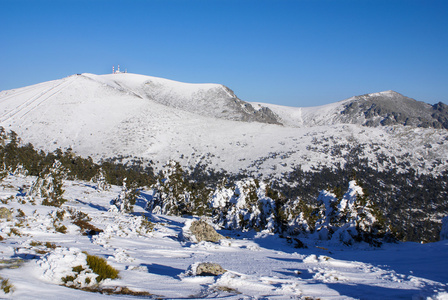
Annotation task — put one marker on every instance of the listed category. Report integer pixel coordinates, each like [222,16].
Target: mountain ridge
[131,115]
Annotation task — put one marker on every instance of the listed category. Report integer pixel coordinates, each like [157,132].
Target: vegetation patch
[118,290]
[82,220]
[87,228]
[100,266]
[6,286]
[225,289]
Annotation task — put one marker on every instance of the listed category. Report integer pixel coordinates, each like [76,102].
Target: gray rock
[209,269]
[204,232]
[5,213]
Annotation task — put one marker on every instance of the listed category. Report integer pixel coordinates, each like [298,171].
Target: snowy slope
[104,116]
[259,265]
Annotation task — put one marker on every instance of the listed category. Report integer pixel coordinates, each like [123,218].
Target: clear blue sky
[295,53]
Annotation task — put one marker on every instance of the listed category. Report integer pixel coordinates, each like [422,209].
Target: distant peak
[388,93]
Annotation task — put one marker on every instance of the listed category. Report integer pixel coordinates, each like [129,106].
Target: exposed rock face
[392,108]
[5,213]
[209,269]
[204,232]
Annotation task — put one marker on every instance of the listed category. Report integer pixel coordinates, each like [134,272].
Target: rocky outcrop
[202,231]
[392,108]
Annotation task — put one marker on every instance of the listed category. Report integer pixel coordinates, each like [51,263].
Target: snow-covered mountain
[131,115]
[376,109]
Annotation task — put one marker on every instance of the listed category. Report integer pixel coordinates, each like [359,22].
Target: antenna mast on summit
[118,70]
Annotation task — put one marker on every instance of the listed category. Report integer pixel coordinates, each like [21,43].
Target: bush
[6,286]
[99,266]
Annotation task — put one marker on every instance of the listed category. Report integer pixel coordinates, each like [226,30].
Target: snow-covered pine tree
[49,185]
[100,180]
[295,217]
[126,199]
[175,194]
[245,206]
[171,195]
[327,215]
[352,218]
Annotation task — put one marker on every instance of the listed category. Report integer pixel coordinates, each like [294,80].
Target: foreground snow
[259,265]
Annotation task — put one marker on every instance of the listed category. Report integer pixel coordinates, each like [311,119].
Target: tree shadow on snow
[299,273]
[143,199]
[163,270]
[95,206]
[427,261]
[369,292]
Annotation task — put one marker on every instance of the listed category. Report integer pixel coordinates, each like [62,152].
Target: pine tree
[171,195]
[100,180]
[49,185]
[126,199]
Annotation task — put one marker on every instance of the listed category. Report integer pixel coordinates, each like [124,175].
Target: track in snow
[35,101]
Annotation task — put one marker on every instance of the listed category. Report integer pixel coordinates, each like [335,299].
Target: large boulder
[199,230]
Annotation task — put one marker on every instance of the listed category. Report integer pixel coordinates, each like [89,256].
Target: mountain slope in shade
[210,100]
[131,115]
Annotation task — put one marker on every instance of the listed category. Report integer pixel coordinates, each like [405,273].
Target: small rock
[209,269]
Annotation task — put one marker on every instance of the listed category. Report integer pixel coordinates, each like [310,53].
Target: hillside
[154,119]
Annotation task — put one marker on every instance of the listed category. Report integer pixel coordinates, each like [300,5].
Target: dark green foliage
[78,269]
[12,155]
[82,220]
[404,199]
[49,185]
[67,279]
[61,229]
[134,171]
[177,195]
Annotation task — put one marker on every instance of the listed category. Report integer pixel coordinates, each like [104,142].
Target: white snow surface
[156,119]
[259,265]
